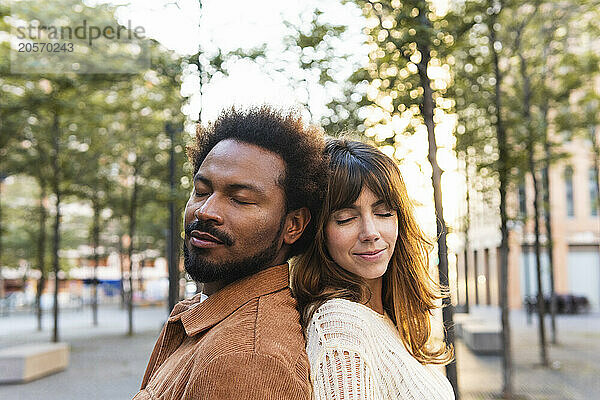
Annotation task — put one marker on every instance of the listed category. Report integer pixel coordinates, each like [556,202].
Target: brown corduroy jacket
[243,342]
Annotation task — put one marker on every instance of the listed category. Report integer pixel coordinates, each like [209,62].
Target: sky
[230,25]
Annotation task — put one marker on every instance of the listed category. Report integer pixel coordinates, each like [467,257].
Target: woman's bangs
[345,186]
[382,187]
[347,182]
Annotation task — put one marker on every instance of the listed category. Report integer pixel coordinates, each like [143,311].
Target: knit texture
[356,353]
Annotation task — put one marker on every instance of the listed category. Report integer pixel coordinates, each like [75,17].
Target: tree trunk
[122,268]
[56,241]
[486,271]
[596,150]
[172,243]
[476,273]
[525,253]
[141,277]
[427,110]
[548,223]
[538,266]
[41,255]
[132,212]
[95,244]
[507,388]
[177,255]
[536,208]
[546,32]
[2,292]
[467,227]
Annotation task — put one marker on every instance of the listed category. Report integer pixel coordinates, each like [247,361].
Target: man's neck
[213,287]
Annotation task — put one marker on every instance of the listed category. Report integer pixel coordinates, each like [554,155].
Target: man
[258,178]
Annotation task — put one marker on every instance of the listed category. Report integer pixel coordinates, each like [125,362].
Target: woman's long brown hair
[409,293]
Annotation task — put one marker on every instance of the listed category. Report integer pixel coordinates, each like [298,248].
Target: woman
[363,287]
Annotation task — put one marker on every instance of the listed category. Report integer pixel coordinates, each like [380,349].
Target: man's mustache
[203,226]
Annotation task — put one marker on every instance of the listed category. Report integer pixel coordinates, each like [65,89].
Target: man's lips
[204,240]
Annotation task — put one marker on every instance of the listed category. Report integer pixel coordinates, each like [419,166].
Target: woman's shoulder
[347,310]
[341,323]
[339,310]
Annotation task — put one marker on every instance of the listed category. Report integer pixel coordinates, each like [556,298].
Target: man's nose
[208,210]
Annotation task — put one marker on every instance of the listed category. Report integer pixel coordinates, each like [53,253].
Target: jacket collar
[197,317]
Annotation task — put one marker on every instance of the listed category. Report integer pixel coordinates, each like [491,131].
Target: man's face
[236,212]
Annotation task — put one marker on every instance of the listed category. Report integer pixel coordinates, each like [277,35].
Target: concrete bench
[482,338]
[460,319]
[27,362]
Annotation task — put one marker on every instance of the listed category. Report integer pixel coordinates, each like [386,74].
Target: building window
[569,191]
[593,192]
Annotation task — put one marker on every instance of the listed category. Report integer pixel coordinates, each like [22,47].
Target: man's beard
[202,270]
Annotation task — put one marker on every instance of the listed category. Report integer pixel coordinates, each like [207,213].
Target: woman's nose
[369,232]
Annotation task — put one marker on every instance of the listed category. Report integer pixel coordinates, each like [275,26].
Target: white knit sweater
[356,353]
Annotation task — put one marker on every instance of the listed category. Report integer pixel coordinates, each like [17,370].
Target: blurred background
[491,109]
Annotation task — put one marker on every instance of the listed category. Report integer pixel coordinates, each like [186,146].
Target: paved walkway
[106,364]
[575,363]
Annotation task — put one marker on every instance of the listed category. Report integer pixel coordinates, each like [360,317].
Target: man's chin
[203,268]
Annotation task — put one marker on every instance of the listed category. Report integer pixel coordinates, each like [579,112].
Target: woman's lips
[370,255]
[204,240]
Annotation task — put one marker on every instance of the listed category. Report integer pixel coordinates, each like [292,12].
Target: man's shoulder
[235,333]
[268,325]
[278,331]
[265,330]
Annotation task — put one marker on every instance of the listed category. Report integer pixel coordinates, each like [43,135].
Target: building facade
[575,225]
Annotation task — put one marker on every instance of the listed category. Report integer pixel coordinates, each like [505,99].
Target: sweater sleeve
[262,377]
[343,374]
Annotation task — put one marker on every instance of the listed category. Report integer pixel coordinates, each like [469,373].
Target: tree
[531,141]
[314,45]
[409,43]
[478,82]
[93,183]
[75,110]
[539,87]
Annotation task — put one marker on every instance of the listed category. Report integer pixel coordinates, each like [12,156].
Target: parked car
[565,304]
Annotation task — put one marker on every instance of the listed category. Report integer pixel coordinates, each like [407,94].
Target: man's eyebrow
[245,186]
[232,186]
[201,178]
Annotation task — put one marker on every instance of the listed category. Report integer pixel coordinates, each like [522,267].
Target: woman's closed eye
[343,221]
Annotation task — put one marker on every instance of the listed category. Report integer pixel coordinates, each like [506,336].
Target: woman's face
[361,238]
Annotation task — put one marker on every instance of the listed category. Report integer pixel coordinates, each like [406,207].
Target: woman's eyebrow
[355,207]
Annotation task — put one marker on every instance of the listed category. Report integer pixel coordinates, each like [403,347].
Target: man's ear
[295,223]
